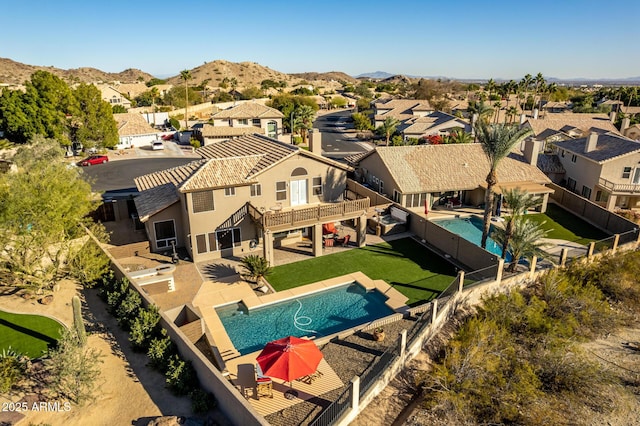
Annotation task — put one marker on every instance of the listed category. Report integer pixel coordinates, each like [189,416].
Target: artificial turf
[566,226]
[404,264]
[30,335]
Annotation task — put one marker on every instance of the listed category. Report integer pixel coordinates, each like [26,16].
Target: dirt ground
[616,352]
[129,391]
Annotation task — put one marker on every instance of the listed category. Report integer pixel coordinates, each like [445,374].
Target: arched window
[299,172]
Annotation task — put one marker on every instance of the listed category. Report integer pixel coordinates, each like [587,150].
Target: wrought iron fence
[628,237]
[473,278]
[603,245]
[333,411]
[379,366]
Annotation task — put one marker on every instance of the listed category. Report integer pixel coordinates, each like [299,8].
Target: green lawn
[30,335]
[566,226]
[404,264]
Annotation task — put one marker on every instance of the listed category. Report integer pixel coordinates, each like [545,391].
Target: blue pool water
[319,314]
[470,228]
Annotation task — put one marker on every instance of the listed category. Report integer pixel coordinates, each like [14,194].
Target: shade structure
[289,358]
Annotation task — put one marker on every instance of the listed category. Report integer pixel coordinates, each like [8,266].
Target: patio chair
[328,242]
[264,384]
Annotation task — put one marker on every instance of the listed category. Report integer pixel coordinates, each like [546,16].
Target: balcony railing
[629,188]
[301,216]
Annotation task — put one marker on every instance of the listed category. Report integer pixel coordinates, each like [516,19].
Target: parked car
[157,145]
[168,137]
[94,159]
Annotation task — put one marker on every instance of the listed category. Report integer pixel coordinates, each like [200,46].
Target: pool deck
[234,290]
[242,376]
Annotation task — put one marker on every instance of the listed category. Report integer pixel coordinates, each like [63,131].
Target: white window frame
[626,172]
[234,243]
[230,191]
[255,190]
[281,191]
[318,188]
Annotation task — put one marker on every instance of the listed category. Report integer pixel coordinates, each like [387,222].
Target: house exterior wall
[229,211]
[264,124]
[174,213]
[137,141]
[374,171]
[584,172]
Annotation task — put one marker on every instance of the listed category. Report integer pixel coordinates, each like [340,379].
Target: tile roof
[248,110]
[209,131]
[131,123]
[401,109]
[562,121]
[607,147]
[436,119]
[221,172]
[174,176]
[437,168]
[271,150]
[154,200]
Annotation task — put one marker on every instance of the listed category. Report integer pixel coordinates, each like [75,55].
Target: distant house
[134,131]
[604,168]
[113,96]
[416,175]
[209,134]
[400,109]
[559,127]
[249,117]
[436,123]
[556,107]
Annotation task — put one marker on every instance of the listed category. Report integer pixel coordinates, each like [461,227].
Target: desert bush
[78,321]
[143,327]
[180,376]
[128,308]
[202,401]
[12,369]
[161,349]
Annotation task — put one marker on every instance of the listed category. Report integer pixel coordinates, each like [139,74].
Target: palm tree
[512,111]
[388,128]
[256,267]
[496,106]
[490,86]
[525,84]
[479,111]
[460,136]
[519,202]
[497,142]
[539,86]
[154,95]
[186,76]
[304,116]
[526,241]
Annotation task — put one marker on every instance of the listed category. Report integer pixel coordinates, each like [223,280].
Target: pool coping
[237,292]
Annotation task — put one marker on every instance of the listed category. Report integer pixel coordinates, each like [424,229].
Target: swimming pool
[470,228]
[316,315]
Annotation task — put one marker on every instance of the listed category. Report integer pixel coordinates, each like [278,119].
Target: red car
[94,159]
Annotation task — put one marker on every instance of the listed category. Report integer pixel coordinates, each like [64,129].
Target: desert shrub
[202,401]
[180,376]
[128,308]
[78,321]
[90,263]
[161,349]
[12,369]
[143,327]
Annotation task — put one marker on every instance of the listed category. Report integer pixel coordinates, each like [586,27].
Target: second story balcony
[619,188]
[276,220]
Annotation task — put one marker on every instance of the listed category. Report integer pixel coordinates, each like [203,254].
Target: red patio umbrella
[289,358]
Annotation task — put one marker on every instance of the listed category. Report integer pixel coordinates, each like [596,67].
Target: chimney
[315,141]
[523,118]
[535,113]
[612,116]
[531,150]
[626,122]
[592,141]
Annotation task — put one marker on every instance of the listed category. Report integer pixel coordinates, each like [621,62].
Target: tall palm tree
[490,86]
[526,241]
[497,142]
[539,82]
[519,202]
[479,111]
[186,76]
[304,115]
[388,128]
[154,95]
[512,111]
[525,84]
[496,106]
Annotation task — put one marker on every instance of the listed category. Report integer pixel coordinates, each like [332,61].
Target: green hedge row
[147,335]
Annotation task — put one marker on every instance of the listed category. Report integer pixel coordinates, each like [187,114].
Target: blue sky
[465,39]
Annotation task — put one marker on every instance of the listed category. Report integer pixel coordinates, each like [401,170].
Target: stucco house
[559,127]
[249,115]
[400,109]
[416,175]
[248,193]
[435,123]
[134,130]
[113,96]
[604,168]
